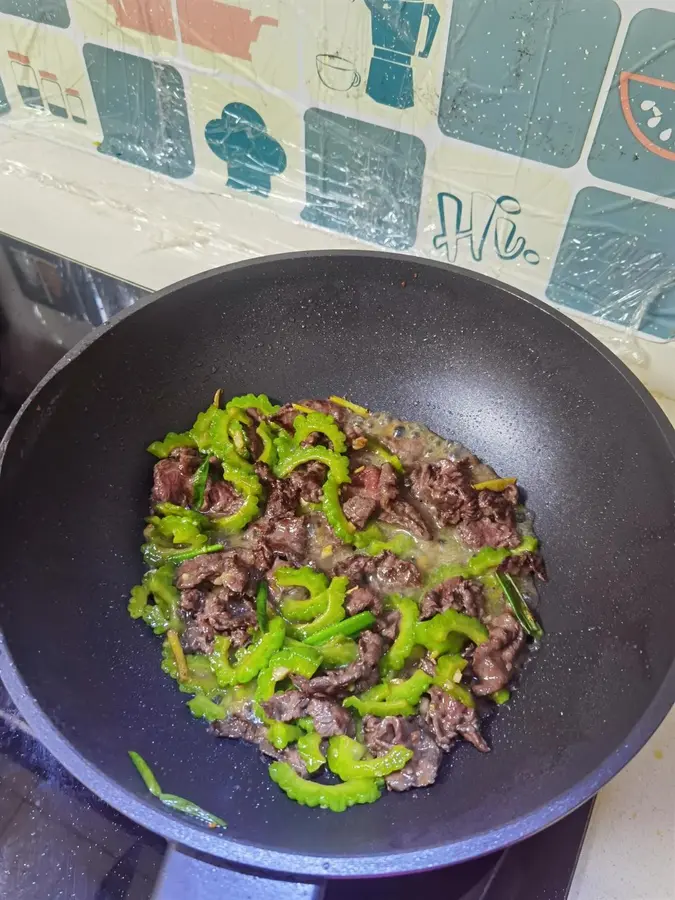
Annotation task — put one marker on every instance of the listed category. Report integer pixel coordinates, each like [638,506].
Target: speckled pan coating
[509,377]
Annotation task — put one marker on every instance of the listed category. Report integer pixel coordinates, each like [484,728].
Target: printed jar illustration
[26,80]
[76,106]
[396,27]
[51,90]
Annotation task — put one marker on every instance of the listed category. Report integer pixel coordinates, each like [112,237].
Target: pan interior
[472,361]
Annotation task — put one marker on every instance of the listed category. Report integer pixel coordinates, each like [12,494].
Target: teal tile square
[617,262]
[141,105]
[4,102]
[635,141]
[46,12]
[362,180]
[523,76]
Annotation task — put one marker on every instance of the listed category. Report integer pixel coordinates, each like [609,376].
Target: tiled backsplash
[533,140]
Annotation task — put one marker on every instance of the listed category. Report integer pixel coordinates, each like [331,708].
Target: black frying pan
[511,378]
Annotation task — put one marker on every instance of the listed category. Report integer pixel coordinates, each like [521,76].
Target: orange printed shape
[219,27]
[624,81]
[154,18]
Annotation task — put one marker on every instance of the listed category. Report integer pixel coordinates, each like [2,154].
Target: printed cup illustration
[337,73]
[648,106]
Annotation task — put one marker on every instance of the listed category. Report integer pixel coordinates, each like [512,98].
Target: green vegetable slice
[519,606]
[171,800]
[261,598]
[345,759]
[336,797]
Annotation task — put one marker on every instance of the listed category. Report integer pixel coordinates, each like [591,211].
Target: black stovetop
[60,842]
[57,840]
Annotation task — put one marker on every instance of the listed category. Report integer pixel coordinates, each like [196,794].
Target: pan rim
[250,855]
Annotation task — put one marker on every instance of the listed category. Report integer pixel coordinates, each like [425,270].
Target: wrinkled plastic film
[534,143]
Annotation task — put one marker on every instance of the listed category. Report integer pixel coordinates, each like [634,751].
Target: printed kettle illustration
[396,27]
[220,27]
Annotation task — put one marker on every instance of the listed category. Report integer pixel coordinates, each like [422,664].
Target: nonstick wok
[514,380]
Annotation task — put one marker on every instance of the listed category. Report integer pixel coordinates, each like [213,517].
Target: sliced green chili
[336,797]
[379,450]
[200,680]
[519,605]
[316,583]
[338,651]
[346,628]
[321,423]
[199,484]
[257,655]
[281,734]
[202,707]
[379,708]
[171,442]
[220,661]
[180,804]
[345,759]
[501,696]
[146,773]
[309,748]
[261,597]
[253,401]
[268,454]
[338,465]
[180,557]
[332,509]
[163,614]
[248,484]
[394,659]
[334,612]
[434,633]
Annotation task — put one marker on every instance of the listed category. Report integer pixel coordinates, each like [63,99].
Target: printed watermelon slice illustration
[648,106]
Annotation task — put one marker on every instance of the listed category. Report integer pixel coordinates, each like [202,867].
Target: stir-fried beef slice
[196,637]
[394,574]
[409,447]
[377,482]
[330,717]
[238,727]
[172,477]
[404,514]
[282,494]
[224,568]
[221,497]
[286,706]
[191,599]
[387,571]
[456,593]
[495,522]
[216,594]
[360,599]
[287,536]
[447,719]
[387,624]
[521,564]
[359,508]
[444,487]
[308,479]
[380,735]
[356,677]
[358,568]
[493,662]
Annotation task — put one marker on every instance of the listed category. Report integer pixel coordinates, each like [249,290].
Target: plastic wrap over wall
[532,140]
